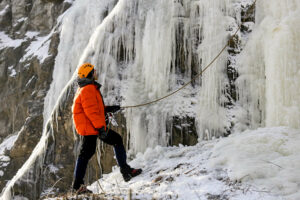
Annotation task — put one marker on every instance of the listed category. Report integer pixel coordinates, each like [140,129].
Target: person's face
[95,76]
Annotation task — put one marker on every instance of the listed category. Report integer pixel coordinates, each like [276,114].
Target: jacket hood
[86,81]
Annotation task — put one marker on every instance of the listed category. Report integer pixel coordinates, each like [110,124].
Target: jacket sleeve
[113,109]
[92,107]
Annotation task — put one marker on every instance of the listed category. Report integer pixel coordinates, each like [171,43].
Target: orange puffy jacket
[88,110]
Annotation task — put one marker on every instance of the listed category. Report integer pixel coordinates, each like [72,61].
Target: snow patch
[178,173]
[20,20]
[30,80]
[19,197]
[8,143]
[246,3]
[52,168]
[69,1]
[38,48]
[12,71]
[266,157]
[31,34]
[4,159]
[6,41]
[2,12]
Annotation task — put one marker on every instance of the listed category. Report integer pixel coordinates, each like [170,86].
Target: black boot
[128,173]
[83,190]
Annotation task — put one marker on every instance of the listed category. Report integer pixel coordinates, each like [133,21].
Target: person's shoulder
[88,89]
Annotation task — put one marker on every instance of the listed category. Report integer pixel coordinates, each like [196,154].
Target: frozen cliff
[142,51]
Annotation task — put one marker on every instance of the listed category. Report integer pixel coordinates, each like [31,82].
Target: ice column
[149,77]
[134,51]
[214,19]
[269,81]
[133,46]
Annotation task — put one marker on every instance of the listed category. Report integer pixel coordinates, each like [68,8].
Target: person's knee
[88,155]
[119,140]
[88,147]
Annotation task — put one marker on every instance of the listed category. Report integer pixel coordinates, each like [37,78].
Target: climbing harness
[111,119]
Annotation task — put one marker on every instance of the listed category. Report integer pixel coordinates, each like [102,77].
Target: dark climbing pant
[87,150]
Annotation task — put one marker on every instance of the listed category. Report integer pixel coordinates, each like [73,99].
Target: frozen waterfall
[77,25]
[270,67]
[145,49]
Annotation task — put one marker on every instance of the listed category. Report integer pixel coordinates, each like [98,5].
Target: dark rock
[216,197]
[248,13]
[158,179]
[183,131]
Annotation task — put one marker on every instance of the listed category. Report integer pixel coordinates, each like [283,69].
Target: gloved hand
[102,133]
[112,108]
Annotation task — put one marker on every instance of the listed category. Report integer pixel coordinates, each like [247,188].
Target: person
[89,116]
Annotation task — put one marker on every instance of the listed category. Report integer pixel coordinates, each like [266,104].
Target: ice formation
[257,164]
[139,56]
[269,67]
[266,157]
[135,51]
[178,173]
[77,25]
[65,65]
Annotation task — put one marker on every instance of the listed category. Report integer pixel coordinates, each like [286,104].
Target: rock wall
[25,77]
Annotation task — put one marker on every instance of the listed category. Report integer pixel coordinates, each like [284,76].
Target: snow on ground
[267,158]
[260,164]
[263,164]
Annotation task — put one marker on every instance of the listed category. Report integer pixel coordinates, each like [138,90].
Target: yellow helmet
[85,69]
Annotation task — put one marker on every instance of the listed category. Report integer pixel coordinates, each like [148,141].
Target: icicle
[213,23]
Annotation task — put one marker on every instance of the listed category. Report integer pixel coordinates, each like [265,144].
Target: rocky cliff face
[28,46]
[31,32]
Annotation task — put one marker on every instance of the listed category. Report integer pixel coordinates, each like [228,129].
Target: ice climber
[89,116]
